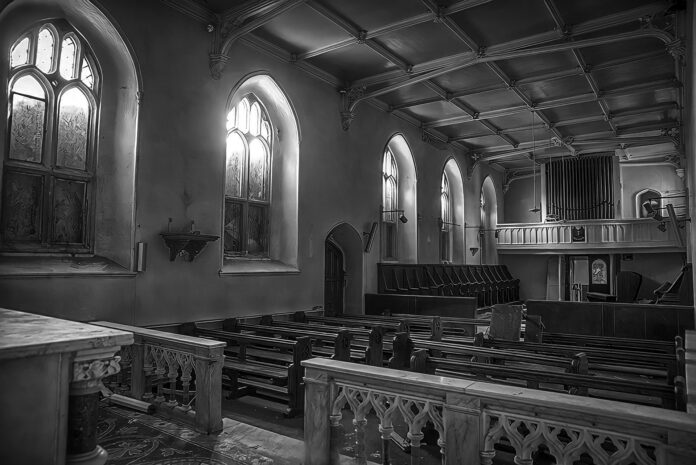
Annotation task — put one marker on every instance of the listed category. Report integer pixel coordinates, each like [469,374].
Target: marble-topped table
[51,371]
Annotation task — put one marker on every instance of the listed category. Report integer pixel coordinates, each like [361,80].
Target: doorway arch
[344,239]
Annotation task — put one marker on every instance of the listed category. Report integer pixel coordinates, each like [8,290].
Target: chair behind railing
[181,376]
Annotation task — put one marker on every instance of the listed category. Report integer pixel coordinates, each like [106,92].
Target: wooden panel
[463,307]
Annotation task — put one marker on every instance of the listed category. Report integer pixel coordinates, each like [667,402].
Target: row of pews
[490,284]
[264,358]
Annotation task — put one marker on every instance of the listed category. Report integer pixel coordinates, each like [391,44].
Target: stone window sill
[45,266]
[242,266]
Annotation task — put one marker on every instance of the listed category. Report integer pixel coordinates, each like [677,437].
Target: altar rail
[472,417]
[598,234]
[172,371]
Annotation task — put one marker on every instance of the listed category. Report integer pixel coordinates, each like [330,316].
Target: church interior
[322,231]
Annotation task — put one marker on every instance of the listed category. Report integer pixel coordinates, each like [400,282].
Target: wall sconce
[402,217]
[473,250]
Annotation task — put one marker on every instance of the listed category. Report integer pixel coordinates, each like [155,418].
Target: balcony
[620,236]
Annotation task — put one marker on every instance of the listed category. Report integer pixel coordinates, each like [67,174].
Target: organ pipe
[580,188]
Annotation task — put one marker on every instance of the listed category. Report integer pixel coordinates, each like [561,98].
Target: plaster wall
[520,198]
[634,179]
[180,169]
[531,270]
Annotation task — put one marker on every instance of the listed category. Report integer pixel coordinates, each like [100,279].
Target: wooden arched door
[334,279]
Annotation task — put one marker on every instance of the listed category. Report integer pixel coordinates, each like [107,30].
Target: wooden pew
[266,365]
[388,326]
[670,397]
[608,342]
[367,345]
[335,345]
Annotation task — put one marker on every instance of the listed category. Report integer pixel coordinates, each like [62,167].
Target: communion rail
[181,376]
[471,417]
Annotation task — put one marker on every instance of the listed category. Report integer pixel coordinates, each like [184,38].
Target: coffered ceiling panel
[423,42]
[469,129]
[586,128]
[408,94]
[575,12]
[485,141]
[499,21]
[301,29]
[494,100]
[371,14]
[658,68]
[568,112]
[551,90]
[472,77]
[539,64]
[434,111]
[362,59]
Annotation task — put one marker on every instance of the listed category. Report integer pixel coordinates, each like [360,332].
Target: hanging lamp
[534,209]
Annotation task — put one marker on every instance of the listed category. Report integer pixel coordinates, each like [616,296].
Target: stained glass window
[47,182]
[446,219]
[67,58]
[390,203]
[45,50]
[247,175]
[20,53]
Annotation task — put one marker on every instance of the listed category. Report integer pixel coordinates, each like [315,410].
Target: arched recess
[117,133]
[406,166]
[349,241]
[642,196]
[489,221]
[283,234]
[456,187]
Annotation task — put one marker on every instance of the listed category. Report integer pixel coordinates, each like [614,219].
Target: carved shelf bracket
[188,245]
[349,99]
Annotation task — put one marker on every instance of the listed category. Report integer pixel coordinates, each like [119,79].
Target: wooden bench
[367,345]
[263,365]
[334,345]
[597,386]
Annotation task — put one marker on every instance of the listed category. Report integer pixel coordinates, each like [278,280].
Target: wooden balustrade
[472,417]
[180,375]
[596,234]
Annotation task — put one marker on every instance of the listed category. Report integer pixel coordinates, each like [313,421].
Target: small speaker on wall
[370,237]
[140,256]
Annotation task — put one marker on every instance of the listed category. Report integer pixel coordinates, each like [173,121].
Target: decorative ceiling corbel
[228,28]
[349,99]
[476,160]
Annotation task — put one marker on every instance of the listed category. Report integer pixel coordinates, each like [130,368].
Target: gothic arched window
[247,179]
[390,203]
[49,159]
[446,220]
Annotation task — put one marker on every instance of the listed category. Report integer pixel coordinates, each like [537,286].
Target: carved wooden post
[316,418]
[137,368]
[89,367]
[462,418]
[209,390]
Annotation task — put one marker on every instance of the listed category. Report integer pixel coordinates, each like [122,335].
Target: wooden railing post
[316,418]
[138,368]
[209,390]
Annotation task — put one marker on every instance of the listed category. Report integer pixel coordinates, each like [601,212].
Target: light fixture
[534,209]
[402,217]
[441,223]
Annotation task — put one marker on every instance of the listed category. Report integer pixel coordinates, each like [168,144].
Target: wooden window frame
[54,87]
[245,201]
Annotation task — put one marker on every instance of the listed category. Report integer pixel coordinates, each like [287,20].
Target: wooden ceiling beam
[392,27]
[555,103]
[605,22]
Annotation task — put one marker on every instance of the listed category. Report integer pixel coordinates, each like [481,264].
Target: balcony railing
[472,417]
[584,235]
[180,375]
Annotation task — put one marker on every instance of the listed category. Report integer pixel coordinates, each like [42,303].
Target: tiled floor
[133,438]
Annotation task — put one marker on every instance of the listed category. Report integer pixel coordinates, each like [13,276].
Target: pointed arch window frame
[247,215]
[390,203]
[65,223]
[446,219]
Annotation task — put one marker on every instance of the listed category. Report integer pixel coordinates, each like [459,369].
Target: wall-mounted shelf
[188,245]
